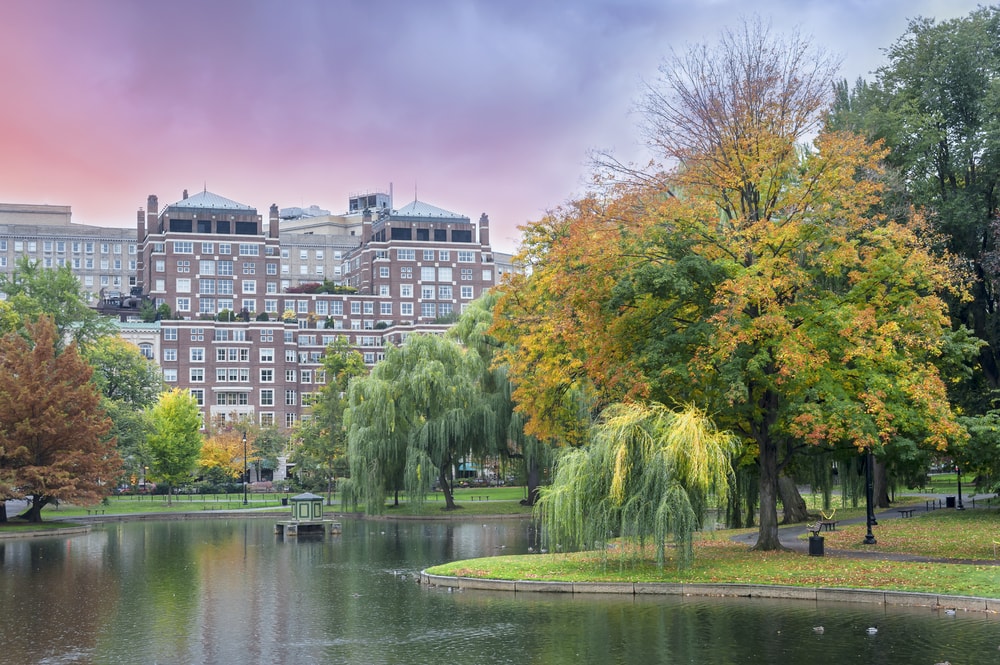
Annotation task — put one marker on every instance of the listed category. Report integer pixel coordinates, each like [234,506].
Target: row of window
[225,248]
[464,256]
[59,246]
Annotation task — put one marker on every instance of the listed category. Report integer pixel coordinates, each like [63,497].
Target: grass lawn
[944,533]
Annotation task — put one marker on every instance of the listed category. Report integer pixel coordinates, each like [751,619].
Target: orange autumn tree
[223,451]
[753,278]
[53,433]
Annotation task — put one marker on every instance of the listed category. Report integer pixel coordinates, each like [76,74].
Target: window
[406,290]
[170,334]
[406,272]
[444,255]
[272,287]
[208,248]
[197,334]
[307,376]
[158,266]
[197,354]
[428,255]
[249,249]
[444,292]
[303,255]
[385,308]
[337,308]
[427,274]
[159,285]
[322,308]
[267,396]
[465,256]
[272,269]
[444,309]
[271,306]
[206,286]
[383,289]
[303,307]
[290,376]
[181,247]
[427,292]
[466,293]
[169,355]
[197,375]
[406,309]
[444,274]
[183,266]
[206,267]
[266,375]
[383,272]
[225,248]
[249,286]
[199,396]
[406,254]
[369,308]
[488,276]
[170,375]
[183,285]
[291,398]
[355,307]
[290,355]
[224,268]
[428,309]
[290,419]
[225,288]
[267,334]
[466,274]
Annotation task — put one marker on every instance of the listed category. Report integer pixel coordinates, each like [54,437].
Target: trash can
[815,545]
[284,500]
[949,502]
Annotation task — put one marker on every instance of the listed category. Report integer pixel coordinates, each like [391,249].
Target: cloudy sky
[472,106]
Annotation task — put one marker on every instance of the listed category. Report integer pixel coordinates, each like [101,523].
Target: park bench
[905,512]
[95,511]
[828,525]
[479,497]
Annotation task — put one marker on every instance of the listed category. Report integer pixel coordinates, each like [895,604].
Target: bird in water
[818,629]
[872,630]
[949,612]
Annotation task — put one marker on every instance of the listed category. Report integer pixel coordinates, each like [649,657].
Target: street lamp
[869,498]
[246,470]
[958,470]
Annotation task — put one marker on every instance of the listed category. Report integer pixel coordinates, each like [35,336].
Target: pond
[228,591]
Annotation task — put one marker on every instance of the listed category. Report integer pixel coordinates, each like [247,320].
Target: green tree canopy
[33,290]
[175,442]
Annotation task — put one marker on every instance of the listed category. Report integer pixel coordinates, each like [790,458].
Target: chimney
[140,224]
[185,195]
[152,208]
[366,227]
[484,230]
[272,221]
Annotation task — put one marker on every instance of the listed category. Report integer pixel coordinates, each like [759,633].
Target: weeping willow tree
[413,418]
[508,438]
[645,476]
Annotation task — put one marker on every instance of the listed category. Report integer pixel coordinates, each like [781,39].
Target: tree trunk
[3,510]
[767,535]
[881,483]
[795,510]
[449,499]
[534,478]
[34,512]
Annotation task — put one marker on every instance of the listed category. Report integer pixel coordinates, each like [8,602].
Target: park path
[791,536]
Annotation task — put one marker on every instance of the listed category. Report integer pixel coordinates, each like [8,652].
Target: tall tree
[509,438]
[33,290]
[322,447]
[934,104]
[755,279]
[413,418]
[175,442]
[129,384]
[53,443]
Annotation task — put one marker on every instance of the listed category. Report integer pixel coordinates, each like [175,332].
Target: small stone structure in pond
[307,518]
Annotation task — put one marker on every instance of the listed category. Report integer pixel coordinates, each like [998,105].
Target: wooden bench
[95,511]
[479,497]
[828,525]
[906,512]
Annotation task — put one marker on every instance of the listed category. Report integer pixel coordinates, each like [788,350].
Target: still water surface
[227,591]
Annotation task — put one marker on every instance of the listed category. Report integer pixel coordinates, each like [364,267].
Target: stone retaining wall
[887,598]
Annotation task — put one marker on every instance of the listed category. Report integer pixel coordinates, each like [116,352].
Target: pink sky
[478,106]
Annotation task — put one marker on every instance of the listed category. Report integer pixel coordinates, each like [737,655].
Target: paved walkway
[791,536]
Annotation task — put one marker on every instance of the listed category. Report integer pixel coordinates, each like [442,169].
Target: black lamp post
[246,470]
[869,498]
[958,470]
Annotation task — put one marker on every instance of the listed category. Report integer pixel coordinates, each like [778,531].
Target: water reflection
[223,591]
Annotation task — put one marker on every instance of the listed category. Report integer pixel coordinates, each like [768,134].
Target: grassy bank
[947,533]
